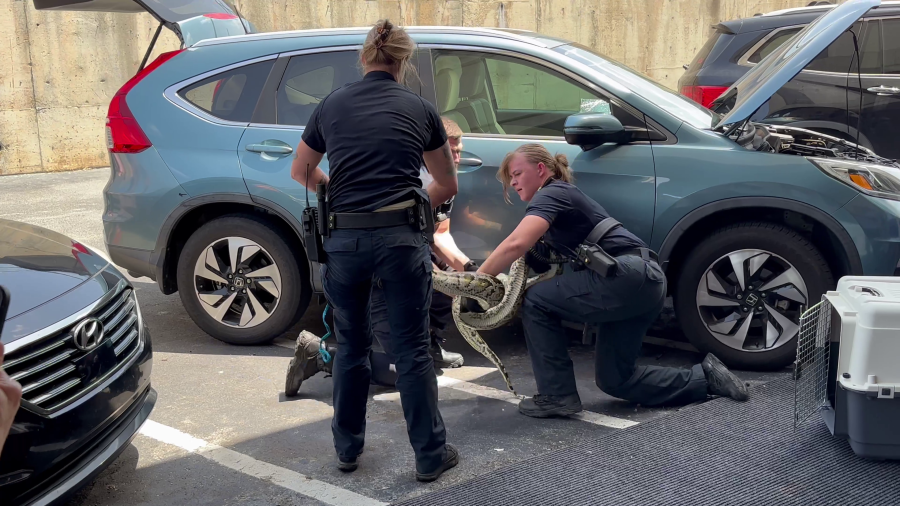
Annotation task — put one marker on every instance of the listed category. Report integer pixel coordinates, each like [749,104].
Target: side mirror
[591,129]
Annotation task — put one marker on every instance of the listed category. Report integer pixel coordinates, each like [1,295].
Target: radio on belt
[848,364]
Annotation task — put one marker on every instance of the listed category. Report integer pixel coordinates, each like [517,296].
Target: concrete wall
[59,70]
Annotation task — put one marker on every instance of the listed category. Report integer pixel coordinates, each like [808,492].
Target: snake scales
[500,297]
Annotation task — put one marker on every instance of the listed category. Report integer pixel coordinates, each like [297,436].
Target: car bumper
[135,261]
[101,456]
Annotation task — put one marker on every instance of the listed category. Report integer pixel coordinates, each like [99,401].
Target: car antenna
[240,17]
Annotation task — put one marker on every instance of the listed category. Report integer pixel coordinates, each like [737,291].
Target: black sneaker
[349,465]
[722,381]
[543,406]
[305,364]
[442,357]
[450,461]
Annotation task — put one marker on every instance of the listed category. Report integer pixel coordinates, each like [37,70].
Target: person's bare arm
[440,165]
[445,247]
[305,156]
[10,399]
[530,229]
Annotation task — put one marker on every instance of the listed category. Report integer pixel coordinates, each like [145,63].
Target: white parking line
[291,480]
[502,395]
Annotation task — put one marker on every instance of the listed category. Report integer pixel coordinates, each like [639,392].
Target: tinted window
[700,58]
[870,49]
[836,57]
[891,30]
[772,43]
[231,95]
[310,78]
[487,93]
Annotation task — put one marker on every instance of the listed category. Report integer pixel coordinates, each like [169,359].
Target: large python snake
[499,296]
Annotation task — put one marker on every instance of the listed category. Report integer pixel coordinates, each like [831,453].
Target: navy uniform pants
[624,306]
[400,257]
[384,372]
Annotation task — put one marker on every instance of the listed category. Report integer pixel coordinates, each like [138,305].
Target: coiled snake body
[500,297]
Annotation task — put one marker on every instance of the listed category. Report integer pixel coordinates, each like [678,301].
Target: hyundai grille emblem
[88,334]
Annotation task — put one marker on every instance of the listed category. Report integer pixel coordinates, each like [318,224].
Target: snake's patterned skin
[500,297]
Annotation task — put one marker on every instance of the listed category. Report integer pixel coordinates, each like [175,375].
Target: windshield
[667,99]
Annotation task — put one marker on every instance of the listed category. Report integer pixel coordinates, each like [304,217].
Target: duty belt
[407,216]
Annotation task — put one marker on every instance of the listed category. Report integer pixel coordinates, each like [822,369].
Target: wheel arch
[826,233]
[196,211]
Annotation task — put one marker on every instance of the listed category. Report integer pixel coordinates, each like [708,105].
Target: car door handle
[267,148]
[469,163]
[884,90]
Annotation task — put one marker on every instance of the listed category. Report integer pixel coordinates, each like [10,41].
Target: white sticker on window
[595,105]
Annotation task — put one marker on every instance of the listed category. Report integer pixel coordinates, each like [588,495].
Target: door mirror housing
[591,129]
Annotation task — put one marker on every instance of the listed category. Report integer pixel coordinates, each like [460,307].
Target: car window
[891,31]
[308,79]
[870,49]
[489,93]
[836,57]
[230,95]
[772,44]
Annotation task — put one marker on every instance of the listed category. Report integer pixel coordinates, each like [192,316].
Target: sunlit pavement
[223,432]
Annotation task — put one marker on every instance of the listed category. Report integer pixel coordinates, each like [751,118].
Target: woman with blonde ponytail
[377,133]
[624,303]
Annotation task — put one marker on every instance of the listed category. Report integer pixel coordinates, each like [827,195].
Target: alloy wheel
[237,282]
[751,300]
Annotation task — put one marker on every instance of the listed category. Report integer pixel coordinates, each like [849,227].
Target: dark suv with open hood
[829,93]
[76,342]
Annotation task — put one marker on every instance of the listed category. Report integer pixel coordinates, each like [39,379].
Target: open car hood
[191,20]
[755,87]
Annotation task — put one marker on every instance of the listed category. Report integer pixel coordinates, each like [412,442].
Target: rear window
[310,78]
[772,43]
[700,58]
[231,95]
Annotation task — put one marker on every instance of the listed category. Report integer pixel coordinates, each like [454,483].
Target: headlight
[871,179]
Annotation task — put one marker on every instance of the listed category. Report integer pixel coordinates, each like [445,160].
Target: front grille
[47,369]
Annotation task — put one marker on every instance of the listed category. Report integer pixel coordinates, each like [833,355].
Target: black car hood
[38,265]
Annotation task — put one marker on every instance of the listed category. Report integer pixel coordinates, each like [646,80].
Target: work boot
[543,406]
[442,357]
[305,364]
[450,461]
[349,465]
[721,381]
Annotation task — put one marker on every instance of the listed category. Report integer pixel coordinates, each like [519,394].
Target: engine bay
[800,141]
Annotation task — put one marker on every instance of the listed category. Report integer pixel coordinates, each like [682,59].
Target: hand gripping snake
[500,297]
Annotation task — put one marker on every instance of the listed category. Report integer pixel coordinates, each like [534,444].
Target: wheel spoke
[268,286]
[725,325]
[247,252]
[212,298]
[790,292]
[219,311]
[269,271]
[246,315]
[261,313]
[714,284]
[737,340]
[203,270]
[788,328]
[757,261]
[234,246]
[789,277]
[704,298]
[737,263]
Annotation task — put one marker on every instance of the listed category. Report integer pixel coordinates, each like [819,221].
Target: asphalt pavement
[224,433]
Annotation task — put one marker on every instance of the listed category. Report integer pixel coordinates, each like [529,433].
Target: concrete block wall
[59,70]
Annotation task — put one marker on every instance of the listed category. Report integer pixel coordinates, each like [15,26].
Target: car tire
[265,301]
[787,269]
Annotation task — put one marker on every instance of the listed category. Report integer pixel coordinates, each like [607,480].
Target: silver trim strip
[171,93]
[65,322]
[328,49]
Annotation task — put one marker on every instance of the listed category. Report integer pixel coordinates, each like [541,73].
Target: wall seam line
[37,122]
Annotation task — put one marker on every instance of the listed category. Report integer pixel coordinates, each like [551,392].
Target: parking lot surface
[222,431]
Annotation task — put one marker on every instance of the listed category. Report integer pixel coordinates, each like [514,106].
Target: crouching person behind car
[445,255]
[624,303]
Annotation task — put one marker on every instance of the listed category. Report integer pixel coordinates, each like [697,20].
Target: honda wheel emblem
[88,334]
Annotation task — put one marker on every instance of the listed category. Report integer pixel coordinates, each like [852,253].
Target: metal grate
[811,366]
[51,370]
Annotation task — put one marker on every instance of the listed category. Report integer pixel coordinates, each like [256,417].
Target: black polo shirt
[373,132]
[572,216]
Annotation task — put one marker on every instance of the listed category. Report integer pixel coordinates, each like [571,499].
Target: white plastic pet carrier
[848,364]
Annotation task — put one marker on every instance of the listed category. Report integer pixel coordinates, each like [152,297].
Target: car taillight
[123,134]
[703,95]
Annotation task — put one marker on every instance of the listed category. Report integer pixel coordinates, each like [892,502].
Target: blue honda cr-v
[752,221]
